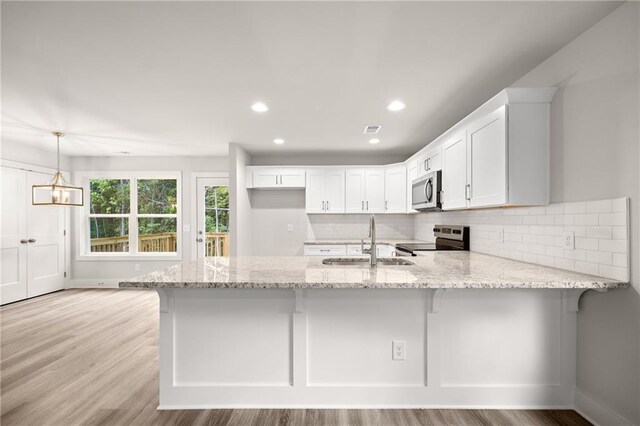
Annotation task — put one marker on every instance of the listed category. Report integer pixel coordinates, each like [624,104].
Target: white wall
[595,154]
[87,272]
[240,225]
[23,153]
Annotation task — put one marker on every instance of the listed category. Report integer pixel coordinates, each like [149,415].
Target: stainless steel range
[448,237]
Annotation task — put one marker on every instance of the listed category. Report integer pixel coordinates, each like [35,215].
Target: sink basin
[354,261]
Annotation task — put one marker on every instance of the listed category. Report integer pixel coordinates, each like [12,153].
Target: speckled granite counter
[367,241]
[431,270]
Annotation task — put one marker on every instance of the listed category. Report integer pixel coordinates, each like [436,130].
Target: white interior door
[13,237]
[45,227]
[212,227]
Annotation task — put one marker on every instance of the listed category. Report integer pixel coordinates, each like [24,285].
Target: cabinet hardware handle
[31,240]
[323,206]
[467,191]
[386,205]
[276,179]
[24,241]
[367,205]
[327,205]
[363,205]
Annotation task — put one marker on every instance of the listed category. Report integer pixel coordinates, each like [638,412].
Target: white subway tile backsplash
[599,232]
[616,219]
[615,246]
[536,234]
[602,206]
[586,219]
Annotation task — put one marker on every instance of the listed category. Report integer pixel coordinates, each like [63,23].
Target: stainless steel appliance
[447,238]
[425,192]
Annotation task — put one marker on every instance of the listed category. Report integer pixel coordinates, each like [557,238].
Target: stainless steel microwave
[425,192]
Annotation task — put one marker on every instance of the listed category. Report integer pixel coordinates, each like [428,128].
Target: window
[132,214]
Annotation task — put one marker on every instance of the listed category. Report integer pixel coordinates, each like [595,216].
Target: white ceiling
[176,78]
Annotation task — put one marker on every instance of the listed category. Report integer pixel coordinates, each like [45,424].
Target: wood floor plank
[90,357]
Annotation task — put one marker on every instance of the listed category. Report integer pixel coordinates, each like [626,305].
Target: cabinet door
[292,178]
[374,190]
[354,191]
[13,252]
[421,164]
[334,191]
[315,191]
[412,173]
[487,160]
[454,172]
[266,178]
[45,226]
[395,187]
[435,160]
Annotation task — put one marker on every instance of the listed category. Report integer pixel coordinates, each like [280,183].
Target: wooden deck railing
[216,243]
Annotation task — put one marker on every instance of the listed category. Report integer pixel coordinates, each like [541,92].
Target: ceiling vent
[372,129]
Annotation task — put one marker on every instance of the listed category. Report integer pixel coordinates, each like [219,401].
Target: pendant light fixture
[58,192]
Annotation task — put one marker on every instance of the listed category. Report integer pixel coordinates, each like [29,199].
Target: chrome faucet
[372,250]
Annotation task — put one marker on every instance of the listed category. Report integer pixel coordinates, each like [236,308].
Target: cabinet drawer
[325,250]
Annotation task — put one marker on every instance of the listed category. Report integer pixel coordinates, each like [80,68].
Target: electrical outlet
[290,228]
[399,350]
[136,267]
[568,240]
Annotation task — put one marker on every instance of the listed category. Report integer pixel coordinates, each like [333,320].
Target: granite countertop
[443,269]
[367,241]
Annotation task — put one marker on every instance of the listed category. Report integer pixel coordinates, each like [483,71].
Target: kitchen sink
[355,261]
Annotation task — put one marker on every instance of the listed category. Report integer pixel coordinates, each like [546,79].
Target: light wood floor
[91,357]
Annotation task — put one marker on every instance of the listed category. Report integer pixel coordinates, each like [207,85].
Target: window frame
[83,241]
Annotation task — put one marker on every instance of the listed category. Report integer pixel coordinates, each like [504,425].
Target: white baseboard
[94,283]
[598,413]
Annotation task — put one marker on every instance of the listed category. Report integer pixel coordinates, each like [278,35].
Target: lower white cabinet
[325,250]
[382,250]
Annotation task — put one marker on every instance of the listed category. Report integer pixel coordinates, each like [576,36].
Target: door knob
[199,240]
[31,240]
[24,241]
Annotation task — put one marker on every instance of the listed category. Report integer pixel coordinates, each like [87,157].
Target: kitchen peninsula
[455,329]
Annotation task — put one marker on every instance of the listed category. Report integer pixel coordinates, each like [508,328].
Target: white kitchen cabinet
[276,177]
[364,190]
[487,160]
[454,172]
[500,158]
[325,250]
[431,161]
[325,191]
[396,189]
[412,173]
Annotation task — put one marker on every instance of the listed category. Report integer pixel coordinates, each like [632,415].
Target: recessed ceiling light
[374,141]
[259,107]
[396,106]
[278,141]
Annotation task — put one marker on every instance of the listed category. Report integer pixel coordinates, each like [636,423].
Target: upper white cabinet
[431,161]
[364,190]
[454,171]
[487,160]
[272,177]
[412,173]
[396,189]
[325,191]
